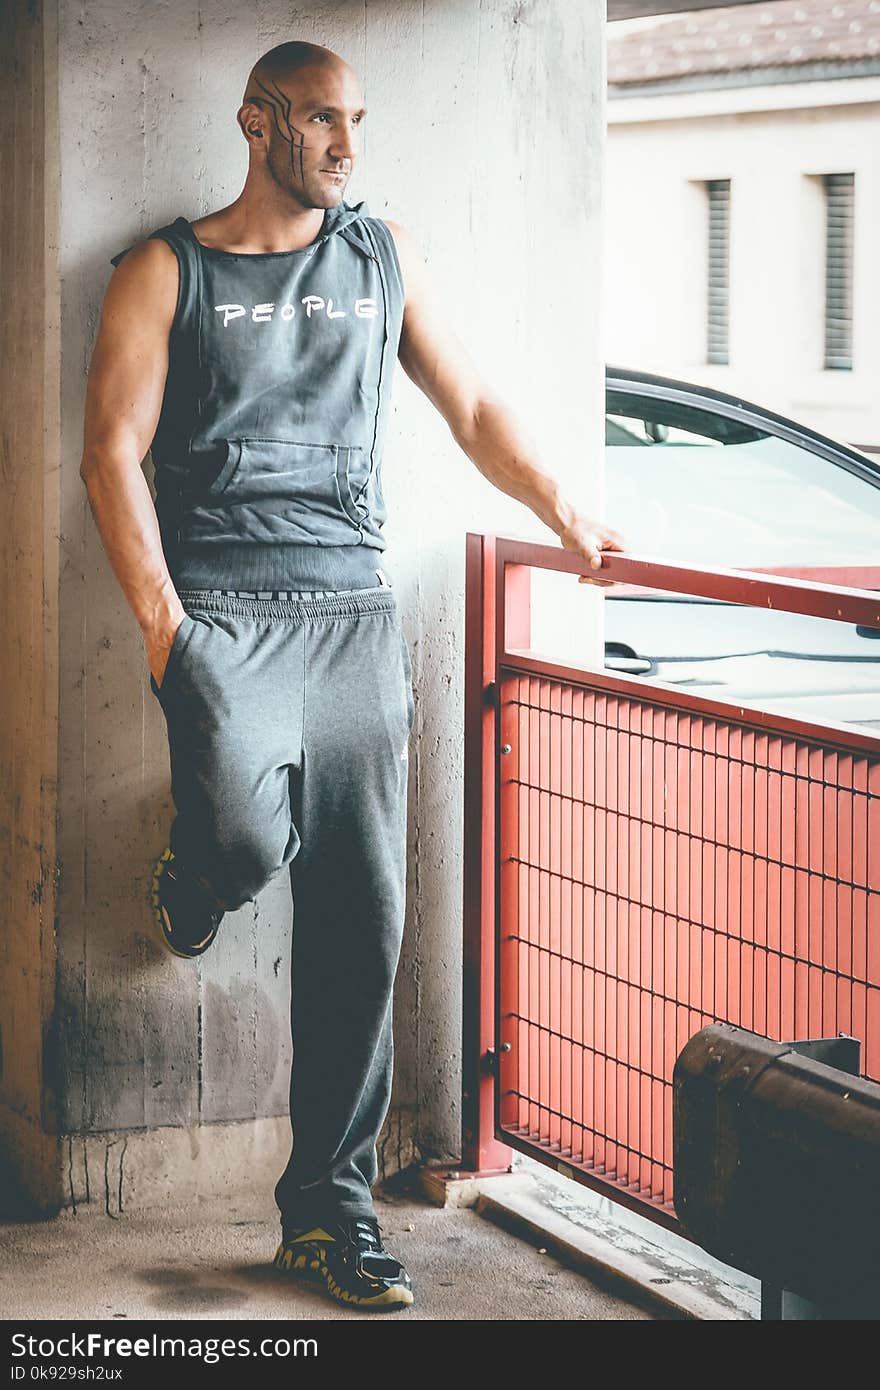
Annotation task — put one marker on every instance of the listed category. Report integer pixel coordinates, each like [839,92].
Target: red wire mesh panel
[661,870]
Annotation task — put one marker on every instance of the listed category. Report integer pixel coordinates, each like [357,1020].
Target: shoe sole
[157,912]
[315,1271]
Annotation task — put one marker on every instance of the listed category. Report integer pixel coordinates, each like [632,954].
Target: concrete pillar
[128,1077]
[29,584]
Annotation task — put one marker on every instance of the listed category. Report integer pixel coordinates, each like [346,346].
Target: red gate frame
[497,638]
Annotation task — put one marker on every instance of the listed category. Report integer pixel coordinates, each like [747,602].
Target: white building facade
[742,207]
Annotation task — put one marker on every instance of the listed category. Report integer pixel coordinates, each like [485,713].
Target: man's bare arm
[481,424]
[126,383]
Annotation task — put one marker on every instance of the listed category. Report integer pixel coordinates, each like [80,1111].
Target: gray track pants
[288,726]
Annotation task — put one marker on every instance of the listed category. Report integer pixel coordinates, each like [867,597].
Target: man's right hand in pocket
[159,644]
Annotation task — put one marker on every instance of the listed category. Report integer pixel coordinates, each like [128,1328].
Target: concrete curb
[674,1283]
[626,1272]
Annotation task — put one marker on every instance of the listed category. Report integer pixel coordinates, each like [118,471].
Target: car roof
[738,406]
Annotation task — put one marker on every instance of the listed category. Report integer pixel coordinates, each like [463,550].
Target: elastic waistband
[378,600]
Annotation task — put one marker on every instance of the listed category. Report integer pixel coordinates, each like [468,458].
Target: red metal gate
[639,863]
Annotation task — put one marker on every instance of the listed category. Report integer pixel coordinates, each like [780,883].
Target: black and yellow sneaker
[185,913]
[349,1258]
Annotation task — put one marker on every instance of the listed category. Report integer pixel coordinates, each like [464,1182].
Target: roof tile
[779,33]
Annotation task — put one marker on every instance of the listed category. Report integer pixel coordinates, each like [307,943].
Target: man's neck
[252,227]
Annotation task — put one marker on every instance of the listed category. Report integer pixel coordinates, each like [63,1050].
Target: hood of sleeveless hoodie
[345,220]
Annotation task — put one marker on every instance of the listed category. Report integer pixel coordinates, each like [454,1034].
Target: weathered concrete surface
[490,153]
[198,1261]
[29,445]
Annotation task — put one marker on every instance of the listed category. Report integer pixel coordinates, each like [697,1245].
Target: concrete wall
[773,143]
[173,1076]
[29,587]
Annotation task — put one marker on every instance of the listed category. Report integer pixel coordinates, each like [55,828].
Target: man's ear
[251,120]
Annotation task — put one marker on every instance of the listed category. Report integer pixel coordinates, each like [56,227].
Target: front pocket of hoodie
[230,467]
[275,491]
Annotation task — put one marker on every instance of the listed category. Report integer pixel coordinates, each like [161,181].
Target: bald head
[284,61]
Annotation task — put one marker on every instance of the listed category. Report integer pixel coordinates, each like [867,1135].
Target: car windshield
[687,484]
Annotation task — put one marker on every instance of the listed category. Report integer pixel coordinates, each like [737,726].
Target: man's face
[314,122]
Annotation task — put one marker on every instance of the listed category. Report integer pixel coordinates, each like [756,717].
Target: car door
[699,477]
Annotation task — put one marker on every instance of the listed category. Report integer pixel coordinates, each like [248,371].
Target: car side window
[689,484]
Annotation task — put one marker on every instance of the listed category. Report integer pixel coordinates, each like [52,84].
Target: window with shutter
[839,203]
[718,299]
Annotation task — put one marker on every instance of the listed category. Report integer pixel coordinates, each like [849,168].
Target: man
[253,352]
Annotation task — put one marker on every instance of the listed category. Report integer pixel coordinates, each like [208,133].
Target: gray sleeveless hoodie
[268,449]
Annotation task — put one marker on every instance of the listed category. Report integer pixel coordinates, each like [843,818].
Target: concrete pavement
[190,1262]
